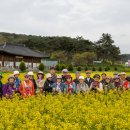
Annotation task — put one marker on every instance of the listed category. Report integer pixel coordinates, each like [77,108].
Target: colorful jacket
[26,88]
[58,87]
[8,89]
[82,88]
[17,83]
[70,87]
[126,85]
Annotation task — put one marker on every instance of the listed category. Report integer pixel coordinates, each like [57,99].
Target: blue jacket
[62,86]
[17,82]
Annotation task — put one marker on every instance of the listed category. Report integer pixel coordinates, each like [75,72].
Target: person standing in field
[103,78]
[9,88]
[118,85]
[26,88]
[77,75]
[123,77]
[1,85]
[31,77]
[48,84]
[96,85]
[82,87]
[58,87]
[40,82]
[17,80]
[70,85]
[108,85]
[65,72]
[52,71]
[127,83]
[88,79]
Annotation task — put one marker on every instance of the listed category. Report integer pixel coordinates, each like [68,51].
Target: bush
[58,68]
[41,67]
[100,69]
[62,66]
[106,68]
[93,69]
[22,66]
[79,68]
[86,68]
[70,67]
[115,69]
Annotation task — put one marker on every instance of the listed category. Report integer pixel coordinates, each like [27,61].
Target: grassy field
[5,75]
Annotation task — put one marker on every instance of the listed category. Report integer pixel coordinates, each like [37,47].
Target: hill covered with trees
[66,49]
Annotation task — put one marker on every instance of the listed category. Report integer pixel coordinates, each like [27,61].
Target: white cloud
[89,18]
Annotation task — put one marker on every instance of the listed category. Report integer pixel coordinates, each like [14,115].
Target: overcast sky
[87,18]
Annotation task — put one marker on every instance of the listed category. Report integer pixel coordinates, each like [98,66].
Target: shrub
[86,68]
[41,67]
[100,69]
[79,68]
[62,66]
[106,68]
[93,69]
[70,67]
[22,66]
[115,68]
[58,68]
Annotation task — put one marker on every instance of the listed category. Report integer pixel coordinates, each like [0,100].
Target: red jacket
[26,88]
[126,85]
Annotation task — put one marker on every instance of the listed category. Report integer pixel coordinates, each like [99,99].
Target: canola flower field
[93,111]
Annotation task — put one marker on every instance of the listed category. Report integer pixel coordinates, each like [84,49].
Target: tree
[41,67]
[79,68]
[84,58]
[61,56]
[22,66]
[70,67]
[106,49]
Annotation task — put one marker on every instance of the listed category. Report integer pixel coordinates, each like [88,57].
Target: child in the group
[70,85]
[48,84]
[9,88]
[17,80]
[58,87]
[31,77]
[26,88]
[52,71]
[96,85]
[1,85]
[77,75]
[40,82]
[64,74]
[82,87]
[127,83]
[108,85]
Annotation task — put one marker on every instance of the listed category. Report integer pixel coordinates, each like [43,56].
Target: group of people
[62,84]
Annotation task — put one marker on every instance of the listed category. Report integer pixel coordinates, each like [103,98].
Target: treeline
[77,50]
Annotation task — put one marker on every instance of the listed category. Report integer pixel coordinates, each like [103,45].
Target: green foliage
[84,58]
[93,69]
[86,68]
[106,68]
[58,68]
[41,67]
[100,68]
[22,66]
[79,68]
[116,69]
[62,66]
[70,67]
